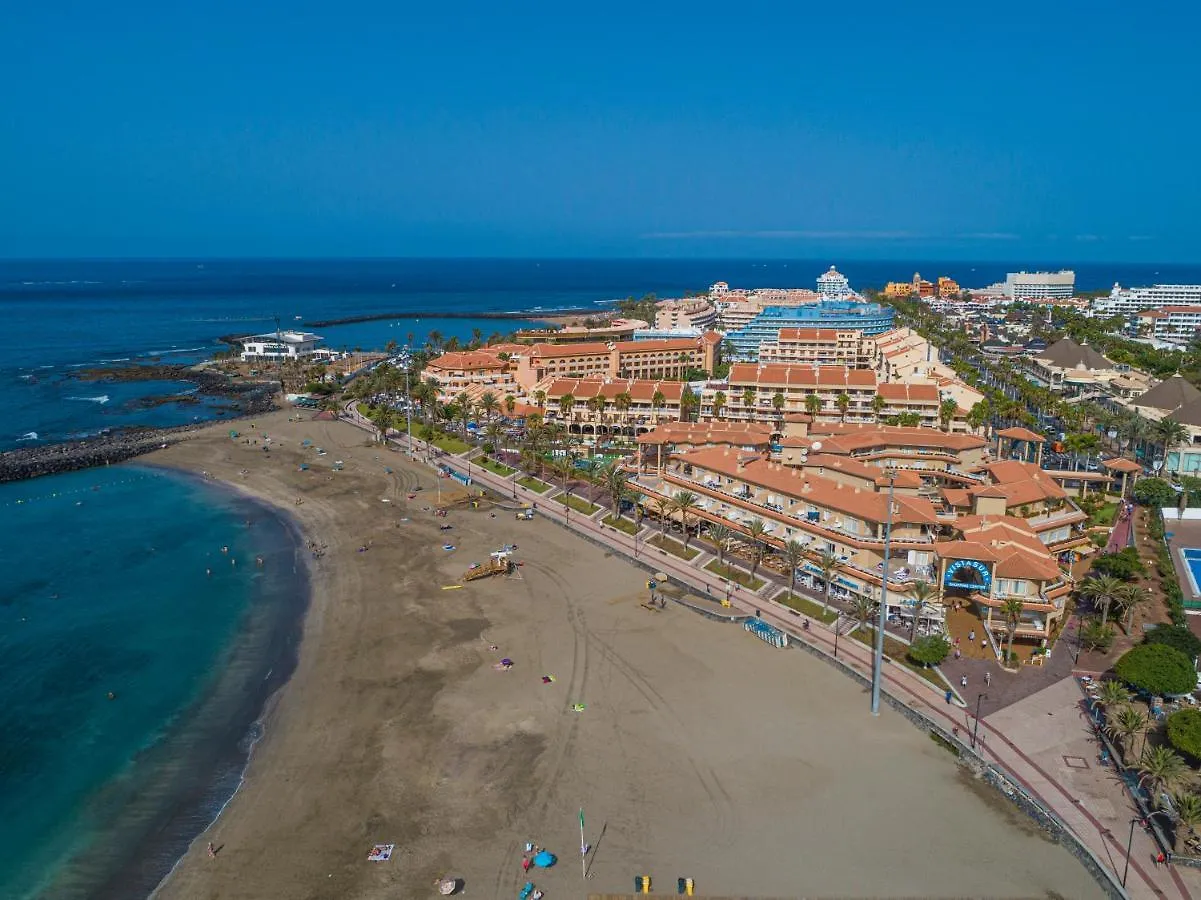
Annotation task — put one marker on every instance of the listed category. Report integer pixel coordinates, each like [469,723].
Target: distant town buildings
[1128,301]
[613,330]
[1040,285]
[923,289]
[681,315]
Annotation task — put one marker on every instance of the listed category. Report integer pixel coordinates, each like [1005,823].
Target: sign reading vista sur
[970,574]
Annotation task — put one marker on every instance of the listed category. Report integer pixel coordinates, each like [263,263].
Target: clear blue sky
[1041,131]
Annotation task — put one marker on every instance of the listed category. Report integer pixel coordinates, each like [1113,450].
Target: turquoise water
[105,590]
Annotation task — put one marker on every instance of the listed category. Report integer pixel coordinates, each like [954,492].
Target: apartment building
[456,372]
[1129,301]
[948,287]
[1178,324]
[817,346]
[654,359]
[686,314]
[843,315]
[1040,285]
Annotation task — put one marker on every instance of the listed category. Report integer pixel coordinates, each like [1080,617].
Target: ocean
[106,589]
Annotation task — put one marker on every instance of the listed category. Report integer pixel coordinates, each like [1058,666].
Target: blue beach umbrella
[544,860]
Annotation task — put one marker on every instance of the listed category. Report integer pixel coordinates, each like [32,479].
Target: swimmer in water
[208,572]
[224,549]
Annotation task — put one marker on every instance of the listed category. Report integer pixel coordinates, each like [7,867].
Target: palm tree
[756,529]
[510,405]
[615,480]
[720,536]
[1126,724]
[382,419]
[663,509]
[1161,768]
[540,399]
[1112,694]
[1169,433]
[622,403]
[1011,609]
[813,404]
[777,403]
[657,401]
[566,405]
[1188,811]
[1102,591]
[978,415]
[878,404]
[1129,598]
[794,555]
[946,412]
[489,404]
[921,592]
[688,403]
[685,502]
[748,402]
[719,403]
[827,564]
[863,608]
[843,402]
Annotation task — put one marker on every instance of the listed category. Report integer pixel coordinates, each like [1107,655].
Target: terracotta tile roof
[808,334]
[1120,464]
[846,438]
[552,351]
[584,389]
[468,359]
[658,346]
[965,550]
[1022,434]
[871,506]
[817,461]
[1018,562]
[912,393]
[798,375]
[737,433]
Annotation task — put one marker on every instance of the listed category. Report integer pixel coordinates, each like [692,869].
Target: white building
[280,345]
[833,285]
[1127,301]
[1171,323]
[1040,285]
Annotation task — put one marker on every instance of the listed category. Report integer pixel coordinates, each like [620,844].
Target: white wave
[28,436]
[172,350]
[118,359]
[102,399]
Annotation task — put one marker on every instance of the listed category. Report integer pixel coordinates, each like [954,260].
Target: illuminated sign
[961,569]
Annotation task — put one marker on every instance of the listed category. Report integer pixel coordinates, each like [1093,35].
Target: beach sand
[700,751]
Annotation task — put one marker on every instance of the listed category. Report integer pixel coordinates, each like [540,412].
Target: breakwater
[520,315]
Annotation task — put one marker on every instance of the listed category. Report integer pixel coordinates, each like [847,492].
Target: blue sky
[1017,131]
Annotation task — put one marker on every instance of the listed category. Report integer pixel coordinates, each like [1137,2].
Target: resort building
[817,346]
[843,315]
[280,346]
[609,406]
[1128,301]
[1040,285]
[833,285]
[898,289]
[1178,324]
[948,287]
[659,359]
[687,314]
[454,372]
[1071,368]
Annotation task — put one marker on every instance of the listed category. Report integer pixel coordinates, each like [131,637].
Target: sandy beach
[699,750]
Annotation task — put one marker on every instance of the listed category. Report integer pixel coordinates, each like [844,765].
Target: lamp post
[1079,635]
[878,661]
[1130,840]
[976,727]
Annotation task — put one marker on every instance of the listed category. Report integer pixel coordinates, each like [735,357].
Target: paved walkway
[1028,720]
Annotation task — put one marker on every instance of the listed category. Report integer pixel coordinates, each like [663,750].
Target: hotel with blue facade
[870,318]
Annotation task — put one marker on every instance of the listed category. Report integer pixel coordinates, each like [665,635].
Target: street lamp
[1130,840]
[878,662]
[976,727]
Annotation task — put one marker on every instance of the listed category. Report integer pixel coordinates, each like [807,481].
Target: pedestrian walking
[957,653]
[983,643]
[963,681]
[948,695]
[987,679]
[971,635]
[212,851]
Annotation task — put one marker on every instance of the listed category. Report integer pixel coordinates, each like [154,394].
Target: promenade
[1039,741]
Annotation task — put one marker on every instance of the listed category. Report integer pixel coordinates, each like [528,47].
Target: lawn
[622,524]
[493,466]
[449,443]
[1104,515]
[737,575]
[579,504]
[529,481]
[896,651]
[675,548]
[808,607]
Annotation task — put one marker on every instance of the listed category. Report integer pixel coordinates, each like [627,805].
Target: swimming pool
[1192,563]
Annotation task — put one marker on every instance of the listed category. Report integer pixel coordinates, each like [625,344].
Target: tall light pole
[976,727]
[878,661]
[1130,840]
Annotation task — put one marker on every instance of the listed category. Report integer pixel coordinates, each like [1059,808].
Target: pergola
[1025,436]
[1126,467]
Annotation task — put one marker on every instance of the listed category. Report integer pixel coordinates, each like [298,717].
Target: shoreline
[173,788]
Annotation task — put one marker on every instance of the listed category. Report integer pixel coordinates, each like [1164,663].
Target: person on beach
[971,635]
[212,851]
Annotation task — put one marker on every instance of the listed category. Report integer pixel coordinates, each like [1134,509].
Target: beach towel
[448,546]
[381,853]
[548,679]
[577,707]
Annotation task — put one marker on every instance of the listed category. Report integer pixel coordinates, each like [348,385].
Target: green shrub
[1178,636]
[1184,732]
[1123,565]
[1175,600]
[929,650]
[1157,669]
[1094,636]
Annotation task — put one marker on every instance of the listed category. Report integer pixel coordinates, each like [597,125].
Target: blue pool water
[1192,558]
[105,590]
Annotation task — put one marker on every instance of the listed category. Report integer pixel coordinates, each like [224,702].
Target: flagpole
[583,855]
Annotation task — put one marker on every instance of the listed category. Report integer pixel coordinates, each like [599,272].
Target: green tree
[1118,567]
[827,564]
[657,401]
[909,419]
[1153,492]
[979,415]
[489,404]
[1124,725]
[813,404]
[510,404]
[756,530]
[719,536]
[1184,732]
[622,403]
[1101,592]
[688,403]
[719,404]
[566,405]
[878,404]
[663,509]
[1112,694]
[1095,636]
[1170,434]
[1188,811]
[382,417]
[929,650]
[843,402]
[615,481]
[946,413]
[1160,769]
[1011,609]
[685,503]
[748,401]
[1157,669]
[1129,598]
[920,591]
[777,403]
[794,555]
